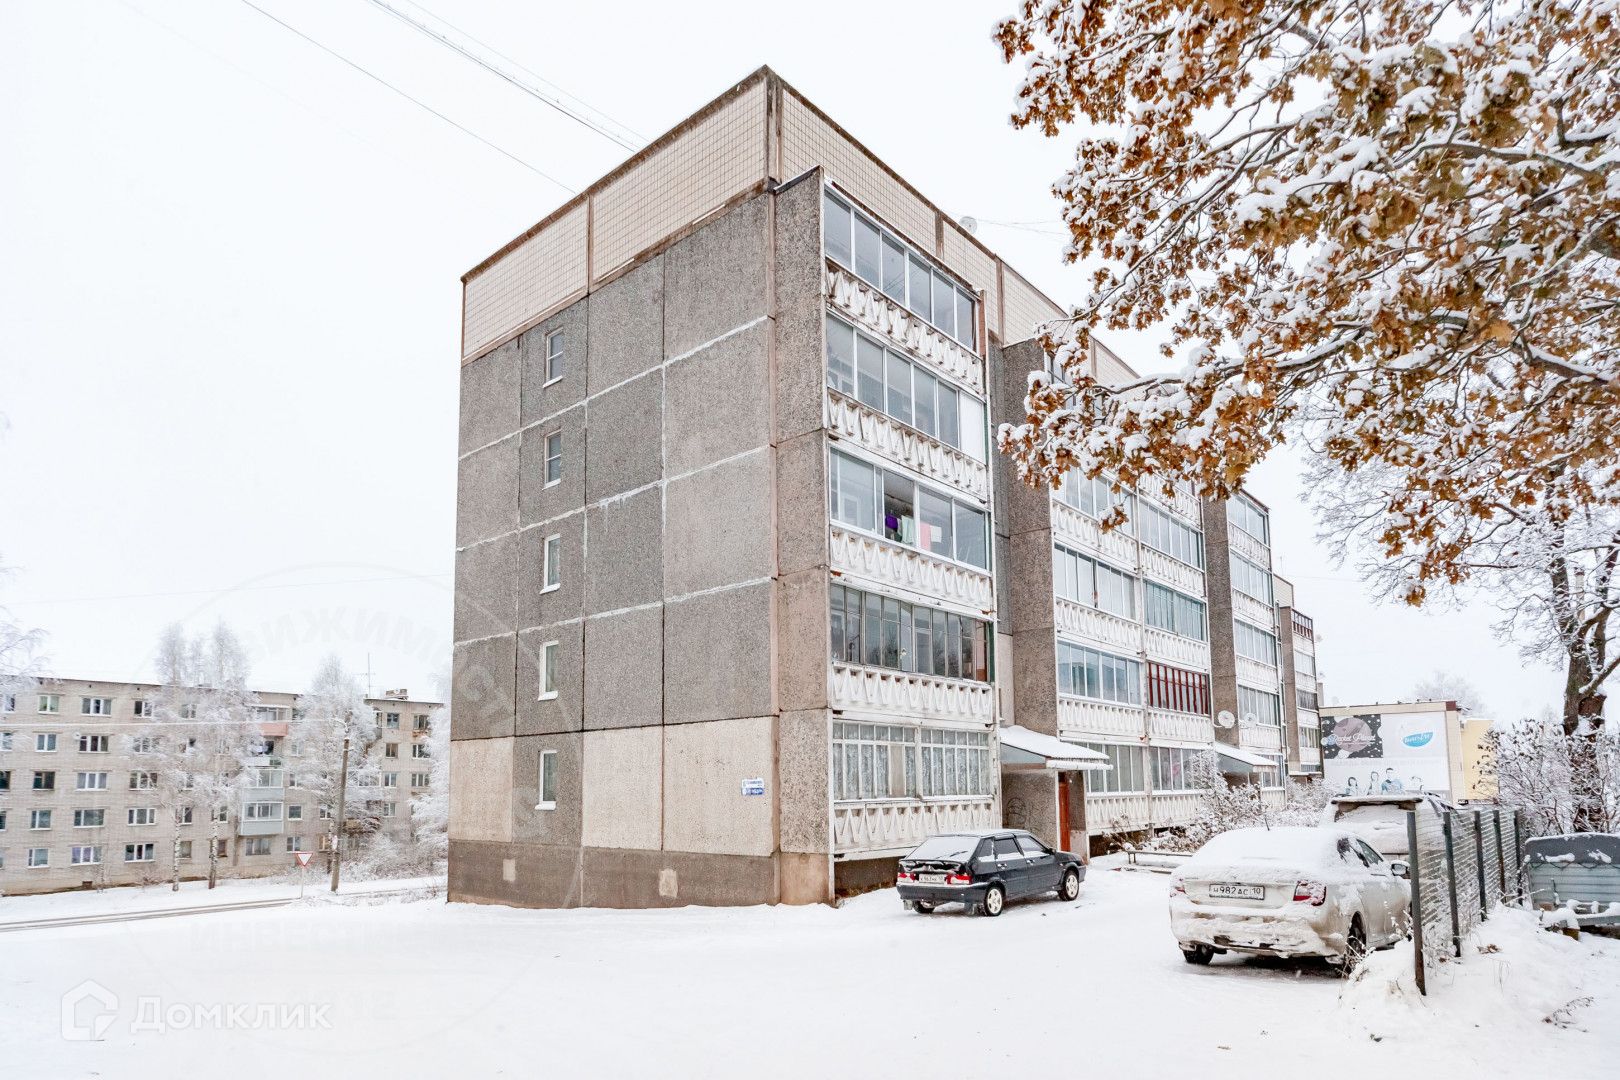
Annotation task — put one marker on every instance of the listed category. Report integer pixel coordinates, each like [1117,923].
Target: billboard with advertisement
[1383,753]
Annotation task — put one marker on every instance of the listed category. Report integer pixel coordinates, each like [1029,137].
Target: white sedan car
[1288,892]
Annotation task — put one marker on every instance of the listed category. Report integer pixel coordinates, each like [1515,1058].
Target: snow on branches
[1391,229]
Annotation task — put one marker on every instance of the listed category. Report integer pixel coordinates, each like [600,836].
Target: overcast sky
[230,296]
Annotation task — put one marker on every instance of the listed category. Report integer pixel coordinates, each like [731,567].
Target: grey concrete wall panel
[802,640]
[624,443]
[717,401]
[717,528]
[717,279]
[800,308]
[536,501]
[563,712]
[801,503]
[624,669]
[541,399]
[489,397]
[483,674]
[803,749]
[627,326]
[522,875]
[717,655]
[487,493]
[567,601]
[487,588]
[559,827]
[624,552]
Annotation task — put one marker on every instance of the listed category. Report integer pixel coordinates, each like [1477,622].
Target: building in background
[744,608]
[1478,783]
[78,810]
[1411,746]
[1301,685]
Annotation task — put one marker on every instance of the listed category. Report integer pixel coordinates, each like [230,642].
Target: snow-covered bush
[1534,766]
[1223,806]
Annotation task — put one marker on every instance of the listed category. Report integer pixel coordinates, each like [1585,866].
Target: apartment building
[746,604]
[79,805]
[1301,685]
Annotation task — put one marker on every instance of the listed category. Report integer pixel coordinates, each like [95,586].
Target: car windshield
[957,848]
[1294,846]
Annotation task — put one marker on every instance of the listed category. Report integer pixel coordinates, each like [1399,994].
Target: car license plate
[931,879]
[1238,892]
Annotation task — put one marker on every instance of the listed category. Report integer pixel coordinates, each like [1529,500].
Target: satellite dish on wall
[970,224]
[1250,718]
[1225,718]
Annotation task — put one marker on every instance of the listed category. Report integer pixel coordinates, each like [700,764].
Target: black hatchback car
[984,870]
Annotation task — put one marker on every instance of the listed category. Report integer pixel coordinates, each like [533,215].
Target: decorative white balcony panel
[1248,547]
[1161,567]
[898,825]
[888,564]
[1175,649]
[1303,644]
[1303,681]
[1092,625]
[857,688]
[1262,737]
[1180,727]
[1117,813]
[875,312]
[1187,505]
[1310,755]
[1253,611]
[1258,675]
[1079,718]
[1077,530]
[1176,808]
[1274,798]
[907,446]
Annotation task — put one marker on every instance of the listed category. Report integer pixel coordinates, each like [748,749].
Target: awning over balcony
[1021,746]
[1243,762]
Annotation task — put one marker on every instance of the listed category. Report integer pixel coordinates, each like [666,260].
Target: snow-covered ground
[867,990]
[133,899]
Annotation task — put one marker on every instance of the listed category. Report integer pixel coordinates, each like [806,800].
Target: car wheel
[995,898]
[922,907]
[1355,947]
[1198,954]
[1070,888]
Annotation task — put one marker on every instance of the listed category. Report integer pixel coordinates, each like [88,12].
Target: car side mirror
[1400,870]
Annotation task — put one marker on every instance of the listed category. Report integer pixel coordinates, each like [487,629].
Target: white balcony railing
[1078,530]
[1079,718]
[1173,572]
[1261,737]
[932,579]
[1258,675]
[1092,625]
[1248,547]
[877,313]
[857,688]
[1310,755]
[1178,650]
[1253,611]
[906,446]
[1175,808]
[1106,813]
[1274,798]
[1180,727]
[896,826]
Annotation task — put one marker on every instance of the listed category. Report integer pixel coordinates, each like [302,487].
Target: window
[2,822]
[387,809]
[390,779]
[44,781]
[256,845]
[554,458]
[421,722]
[5,740]
[1305,664]
[188,712]
[38,857]
[1085,672]
[222,814]
[261,811]
[50,703]
[143,744]
[1254,643]
[420,779]
[95,744]
[140,852]
[45,742]
[142,815]
[1307,699]
[143,707]
[8,703]
[91,781]
[1246,514]
[1167,609]
[1177,689]
[1259,707]
[1175,768]
[391,721]
[391,750]
[890,761]
[1251,580]
[554,356]
[296,844]
[548,670]
[89,819]
[295,813]
[142,781]
[1163,531]
[1093,496]
[39,819]
[96,706]
[185,851]
[183,816]
[5,779]
[222,848]
[911,514]
[419,750]
[1126,775]
[888,264]
[1030,846]
[551,576]
[892,383]
[880,631]
[548,780]
[1086,581]
[85,856]
[1310,738]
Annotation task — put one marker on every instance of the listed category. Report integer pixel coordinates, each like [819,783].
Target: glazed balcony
[1161,567]
[1081,718]
[896,826]
[1107,813]
[1175,807]
[880,691]
[896,567]
[1261,737]
[1248,547]
[1180,726]
[1096,626]
[1175,649]
[905,445]
[872,311]
[1076,529]
[1258,675]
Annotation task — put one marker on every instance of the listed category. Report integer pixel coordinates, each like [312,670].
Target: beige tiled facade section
[979,268]
[1024,308]
[1110,370]
[540,273]
[719,157]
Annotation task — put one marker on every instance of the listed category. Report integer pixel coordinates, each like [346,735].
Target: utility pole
[337,823]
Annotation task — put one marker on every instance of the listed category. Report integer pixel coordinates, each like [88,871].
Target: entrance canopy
[1242,762]
[1021,746]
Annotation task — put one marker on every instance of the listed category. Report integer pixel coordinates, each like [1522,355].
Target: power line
[533,91]
[415,101]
